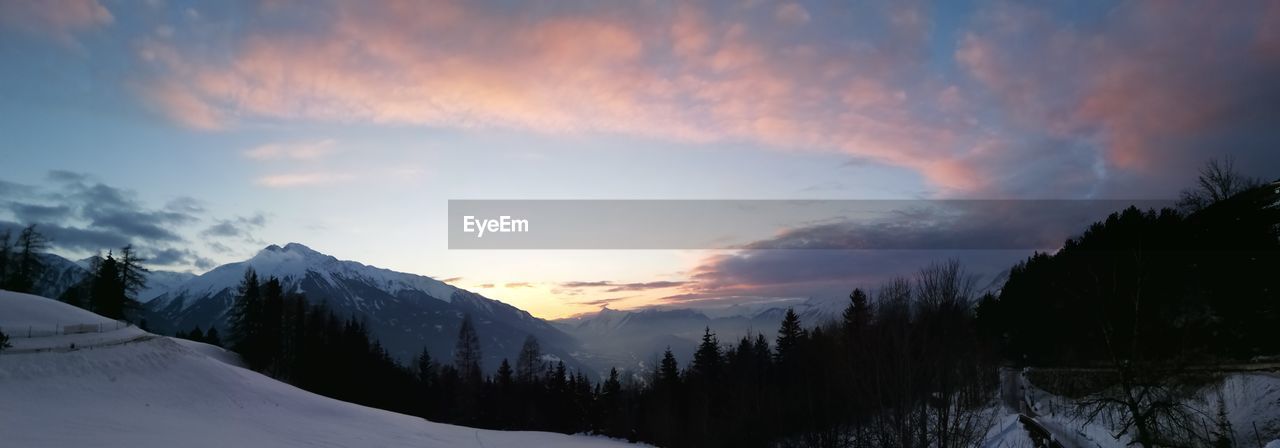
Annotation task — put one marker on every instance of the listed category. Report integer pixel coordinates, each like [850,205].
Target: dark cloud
[956,225]
[72,238]
[80,214]
[177,257]
[239,227]
[39,213]
[452,279]
[619,287]
[602,302]
[585,284]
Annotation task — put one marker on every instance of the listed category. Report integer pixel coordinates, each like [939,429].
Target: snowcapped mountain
[60,274]
[405,311]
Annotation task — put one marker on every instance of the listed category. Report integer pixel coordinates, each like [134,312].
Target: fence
[57,329]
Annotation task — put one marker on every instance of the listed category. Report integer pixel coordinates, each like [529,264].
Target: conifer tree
[707,359]
[106,296]
[24,265]
[245,317]
[505,376]
[668,370]
[529,363]
[466,354]
[132,275]
[790,336]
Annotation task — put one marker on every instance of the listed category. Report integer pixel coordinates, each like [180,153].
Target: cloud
[828,259]
[619,287]
[309,150]
[238,227]
[59,20]
[177,257]
[452,280]
[792,14]
[72,238]
[602,302]
[621,71]
[513,285]
[81,215]
[1148,87]
[486,285]
[303,179]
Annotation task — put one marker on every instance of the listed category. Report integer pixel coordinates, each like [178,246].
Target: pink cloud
[1149,84]
[302,179]
[695,80]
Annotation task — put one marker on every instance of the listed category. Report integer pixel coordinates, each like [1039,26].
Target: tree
[132,274]
[1218,180]
[4,341]
[857,316]
[106,295]
[529,363]
[245,319]
[6,249]
[790,336]
[466,354]
[426,369]
[668,370]
[211,337]
[25,265]
[707,359]
[505,376]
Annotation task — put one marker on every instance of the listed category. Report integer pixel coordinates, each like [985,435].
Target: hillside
[128,388]
[406,312]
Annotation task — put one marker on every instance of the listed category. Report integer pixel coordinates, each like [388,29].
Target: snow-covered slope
[157,392]
[405,311]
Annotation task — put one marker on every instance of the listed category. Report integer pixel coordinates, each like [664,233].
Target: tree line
[906,369]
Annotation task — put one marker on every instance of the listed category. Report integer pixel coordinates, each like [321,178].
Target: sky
[204,131]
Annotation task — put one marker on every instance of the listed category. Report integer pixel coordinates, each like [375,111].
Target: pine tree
[25,265]
[707,360]
[132,275]
[857,316]
[466,354]
[529,363]
[4,341]
[106,294]
[6,255]
[245,317]
[272,329]
[668,370]
[211,337]
[427,370]
[790,336]
[505,377]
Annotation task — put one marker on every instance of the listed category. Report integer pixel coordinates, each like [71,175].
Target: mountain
[60,274]
[405,311]
[129,388]
[634,339]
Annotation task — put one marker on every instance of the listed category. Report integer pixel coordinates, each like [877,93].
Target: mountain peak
[290,248]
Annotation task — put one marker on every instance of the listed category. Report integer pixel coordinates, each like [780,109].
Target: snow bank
[158,392]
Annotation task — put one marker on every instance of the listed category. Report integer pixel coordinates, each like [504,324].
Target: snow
[159,392]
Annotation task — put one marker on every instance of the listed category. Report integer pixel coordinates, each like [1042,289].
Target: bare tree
[1218,181]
